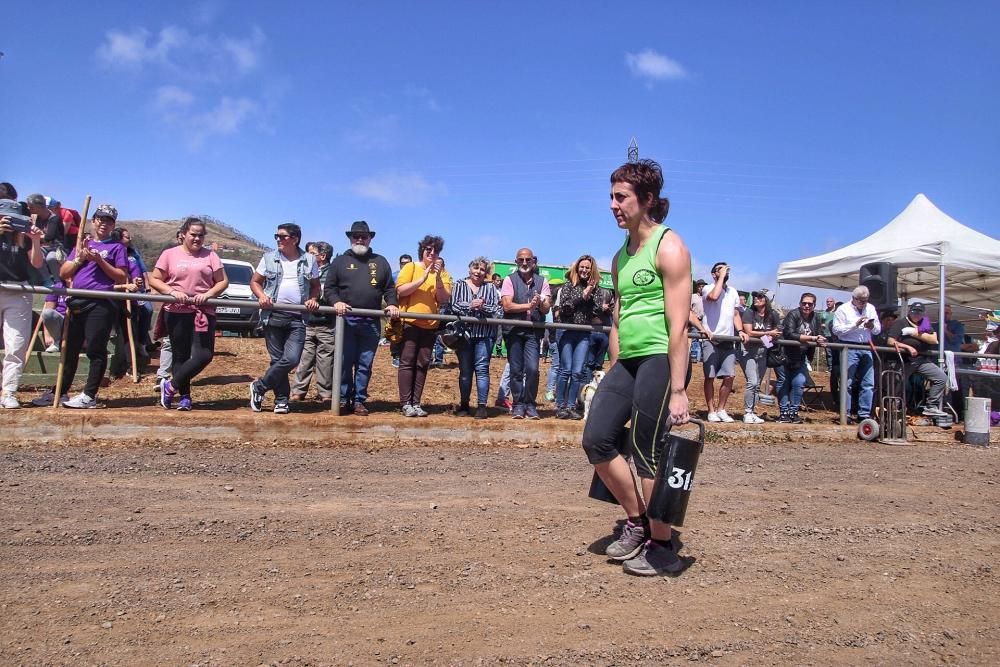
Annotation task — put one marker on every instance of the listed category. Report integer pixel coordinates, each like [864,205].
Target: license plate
[227,310]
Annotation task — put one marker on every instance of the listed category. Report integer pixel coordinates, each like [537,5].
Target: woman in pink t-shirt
[191,274]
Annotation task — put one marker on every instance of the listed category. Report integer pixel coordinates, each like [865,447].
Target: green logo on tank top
[643,277]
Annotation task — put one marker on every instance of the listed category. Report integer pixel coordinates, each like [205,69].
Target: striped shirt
[462,295]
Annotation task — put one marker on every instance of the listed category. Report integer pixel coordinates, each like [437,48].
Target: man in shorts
[722,318]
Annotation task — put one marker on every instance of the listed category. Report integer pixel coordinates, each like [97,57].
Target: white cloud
[423,96]
[653,66]
[177,109]
[378,133]
[180,53]
[398,188]
[169,98]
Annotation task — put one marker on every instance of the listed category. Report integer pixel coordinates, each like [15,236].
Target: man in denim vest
[525,295]
[286,276]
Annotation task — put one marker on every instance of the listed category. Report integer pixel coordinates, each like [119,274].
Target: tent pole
[941,323]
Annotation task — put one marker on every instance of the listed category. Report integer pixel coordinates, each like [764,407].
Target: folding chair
[813,396]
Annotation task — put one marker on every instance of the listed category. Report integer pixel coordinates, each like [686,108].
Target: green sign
[555,275]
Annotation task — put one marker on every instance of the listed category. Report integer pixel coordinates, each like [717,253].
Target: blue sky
[784,129]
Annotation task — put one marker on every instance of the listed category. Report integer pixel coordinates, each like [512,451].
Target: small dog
[587,392]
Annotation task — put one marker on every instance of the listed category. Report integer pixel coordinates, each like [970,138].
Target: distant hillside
[150,237]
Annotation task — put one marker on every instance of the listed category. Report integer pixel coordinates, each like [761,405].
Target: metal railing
[842,348]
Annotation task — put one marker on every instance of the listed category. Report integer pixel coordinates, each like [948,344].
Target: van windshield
[239,274]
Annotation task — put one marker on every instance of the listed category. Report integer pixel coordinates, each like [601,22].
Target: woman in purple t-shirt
[99,266]
[192,274]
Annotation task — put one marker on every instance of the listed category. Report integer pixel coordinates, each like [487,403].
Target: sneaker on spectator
[256,398]
[167,394]
[360,410]
[931,411]
[463,411]
[629,542]
[531,412]
[52,348]
[45,400]
[752,418]
[724,417]
[419,411]
[573,414]
[184,405]
[654,560]
[550,395]
[408,411]
[481,412]
[80,401]
[9,402]
[395,362]
[713,417]
[281,406]
[517,412]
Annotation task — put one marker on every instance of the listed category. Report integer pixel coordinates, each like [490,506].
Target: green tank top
[642,324]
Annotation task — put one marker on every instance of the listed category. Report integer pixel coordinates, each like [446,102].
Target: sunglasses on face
[807,304]
[281,237]
[360,237]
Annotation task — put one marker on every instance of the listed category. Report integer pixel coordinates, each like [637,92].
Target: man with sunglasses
[285,276]
[525,295]
[359,278]
[800,325]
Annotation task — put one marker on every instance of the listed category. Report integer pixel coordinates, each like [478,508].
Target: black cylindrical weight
[598,489]
[675,477]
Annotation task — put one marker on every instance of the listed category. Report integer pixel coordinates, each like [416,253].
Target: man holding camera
[857,322]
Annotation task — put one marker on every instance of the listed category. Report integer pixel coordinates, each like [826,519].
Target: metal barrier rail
[359,312]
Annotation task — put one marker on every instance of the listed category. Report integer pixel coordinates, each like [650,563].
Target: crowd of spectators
[301,341]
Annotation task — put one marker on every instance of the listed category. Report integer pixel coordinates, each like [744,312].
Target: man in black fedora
[359,278]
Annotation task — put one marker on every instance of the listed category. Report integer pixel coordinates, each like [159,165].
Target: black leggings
[90,320]
[193,350]
[636,389]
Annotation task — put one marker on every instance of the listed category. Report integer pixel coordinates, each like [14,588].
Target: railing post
[338,364]
[845,390]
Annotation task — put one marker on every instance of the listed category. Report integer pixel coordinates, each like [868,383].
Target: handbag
[393,331]
[455,335]
[776,356]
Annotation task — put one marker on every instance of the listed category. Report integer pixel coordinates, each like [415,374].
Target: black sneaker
[256,398]
[562,413]
[281,406]
[573,414]
[794,419]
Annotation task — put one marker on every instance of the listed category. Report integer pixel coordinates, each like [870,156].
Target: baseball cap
[700,281]
[52,202]
[106,211]
[760,292]
[916,307]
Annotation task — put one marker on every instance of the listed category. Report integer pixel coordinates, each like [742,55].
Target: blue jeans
[284,336]
[550,381]
[598,350]
[573,350]
[522,353]
[504,390]
[860,369]
[790,387]
[361,336]
[438,352]
[474,356]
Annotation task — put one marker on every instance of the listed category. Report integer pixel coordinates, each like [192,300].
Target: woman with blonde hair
[576,306]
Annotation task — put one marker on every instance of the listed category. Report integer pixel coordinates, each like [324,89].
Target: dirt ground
[136,536]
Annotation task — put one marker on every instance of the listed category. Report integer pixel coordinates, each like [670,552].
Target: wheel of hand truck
[868,429]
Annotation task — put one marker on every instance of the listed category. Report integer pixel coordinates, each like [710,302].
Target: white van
[241,319]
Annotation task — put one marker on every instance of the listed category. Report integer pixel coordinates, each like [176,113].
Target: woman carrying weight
[649,355]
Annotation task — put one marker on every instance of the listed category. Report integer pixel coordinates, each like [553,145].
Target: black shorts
[638,390]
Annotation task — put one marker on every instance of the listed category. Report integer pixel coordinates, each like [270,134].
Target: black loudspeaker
[880,279]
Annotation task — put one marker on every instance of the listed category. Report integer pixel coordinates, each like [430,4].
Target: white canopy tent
[918,241]
[934,254]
